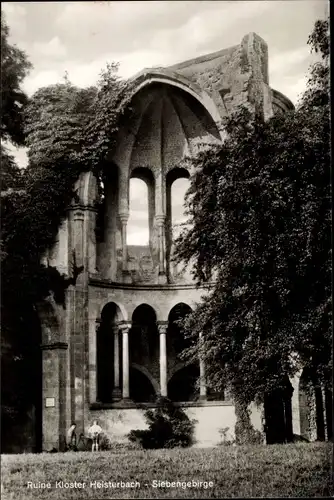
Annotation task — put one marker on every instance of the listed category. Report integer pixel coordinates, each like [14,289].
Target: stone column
[160,221]
[116,393]
[202,384]
[162,327]
[124,221]
[125,327]
[123,213]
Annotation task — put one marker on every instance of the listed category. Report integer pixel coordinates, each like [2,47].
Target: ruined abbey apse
[114,347]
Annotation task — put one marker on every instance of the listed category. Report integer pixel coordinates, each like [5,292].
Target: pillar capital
[162,326]
[124,326]
[123,217]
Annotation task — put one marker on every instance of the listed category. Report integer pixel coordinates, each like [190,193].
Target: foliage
[68,131]
[263,198]
[16,349]
[14,68]
[168,427]
[11,175]
[54,123]
[244,430]
[63,126]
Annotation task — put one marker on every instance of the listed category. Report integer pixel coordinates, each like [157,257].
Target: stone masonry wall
[236,76]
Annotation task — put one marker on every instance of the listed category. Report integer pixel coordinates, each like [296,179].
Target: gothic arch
[122,314]
[147,77]
[156,308]
[176,342]
[122,156]
[144,338]
[172,176]
[110,316]
[146,175]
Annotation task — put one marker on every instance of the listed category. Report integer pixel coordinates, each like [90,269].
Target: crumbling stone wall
[234,76]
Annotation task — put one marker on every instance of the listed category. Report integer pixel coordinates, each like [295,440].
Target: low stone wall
[117,423]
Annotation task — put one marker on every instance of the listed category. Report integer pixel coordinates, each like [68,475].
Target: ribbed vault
[167,125]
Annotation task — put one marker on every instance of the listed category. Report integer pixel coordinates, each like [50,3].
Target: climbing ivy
[67,130]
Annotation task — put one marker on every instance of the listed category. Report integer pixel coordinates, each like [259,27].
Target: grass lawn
[296,470]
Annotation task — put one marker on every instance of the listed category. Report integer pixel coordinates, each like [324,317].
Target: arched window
[138,223]
[177,183]
[143,352]
[105,351]
[144,338]
[183,384]
[176,342]
[178,192]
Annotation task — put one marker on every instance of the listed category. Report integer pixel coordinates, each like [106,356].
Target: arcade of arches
[145,356]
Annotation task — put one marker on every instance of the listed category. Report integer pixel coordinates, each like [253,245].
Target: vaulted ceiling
[167,125]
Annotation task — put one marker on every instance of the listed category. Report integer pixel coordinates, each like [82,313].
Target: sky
[81,37]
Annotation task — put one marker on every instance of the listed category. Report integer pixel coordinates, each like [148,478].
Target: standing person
[94,433]
[72,436]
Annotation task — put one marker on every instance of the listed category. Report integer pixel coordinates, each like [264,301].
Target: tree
[68,131]
[11,175]
[263,197]
[14,68]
